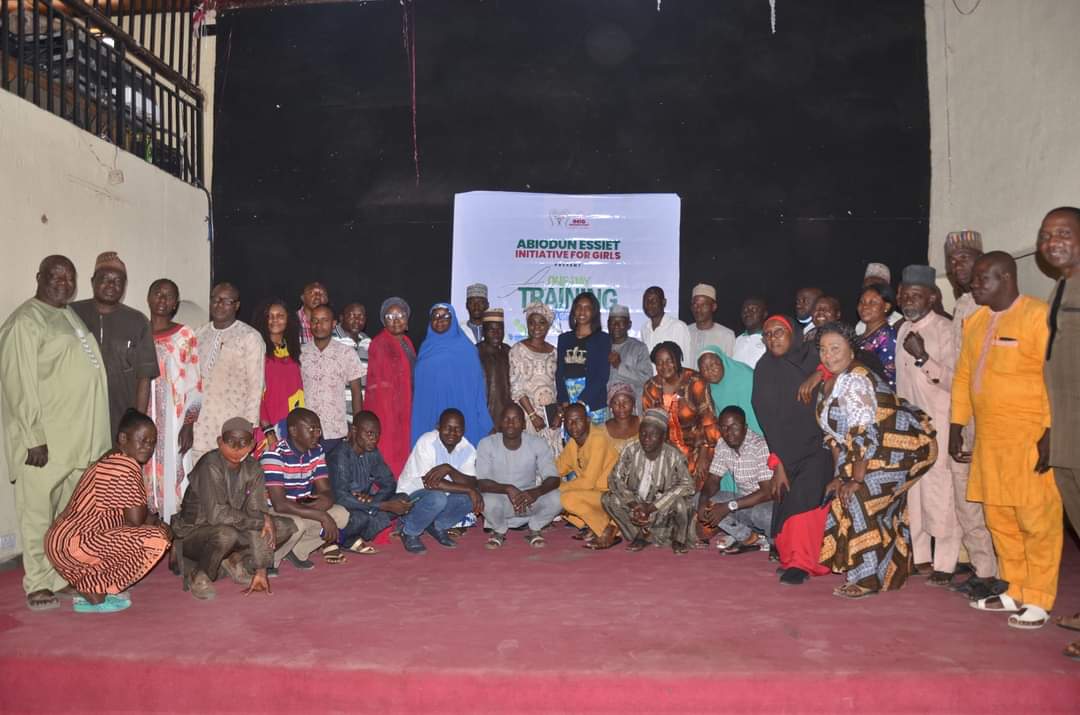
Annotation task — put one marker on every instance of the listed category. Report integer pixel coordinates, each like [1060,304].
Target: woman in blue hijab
[448,374]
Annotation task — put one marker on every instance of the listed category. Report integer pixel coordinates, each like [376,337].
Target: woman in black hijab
[802,464]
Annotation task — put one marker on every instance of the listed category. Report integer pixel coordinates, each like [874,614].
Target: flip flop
[1071,622]
[332,555]
[361,547]
[36,602]
[740,548]
[1029,618]
[853,591]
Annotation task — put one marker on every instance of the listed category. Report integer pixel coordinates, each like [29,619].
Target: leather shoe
[441,536]
[413,544]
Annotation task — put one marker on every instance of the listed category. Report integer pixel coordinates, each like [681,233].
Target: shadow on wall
[191,314]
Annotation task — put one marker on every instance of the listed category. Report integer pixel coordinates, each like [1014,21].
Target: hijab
[448,374]
[737,387]
[790,427]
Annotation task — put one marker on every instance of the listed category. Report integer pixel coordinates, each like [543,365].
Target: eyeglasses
[441,315]
[221,300]
[391,317]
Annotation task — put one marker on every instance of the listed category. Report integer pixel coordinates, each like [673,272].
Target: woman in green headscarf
[730,382]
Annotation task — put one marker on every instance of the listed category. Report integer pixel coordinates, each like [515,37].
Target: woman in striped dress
[106,540]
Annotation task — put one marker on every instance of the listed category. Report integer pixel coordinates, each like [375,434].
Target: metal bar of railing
[35,44]
[198,56]
[131,46]
[50,50]
[131,18]
[84,88]
[99,82]
[199,149]
[21,39]
[63,66]
[172,35]
[153,25]
[190,37]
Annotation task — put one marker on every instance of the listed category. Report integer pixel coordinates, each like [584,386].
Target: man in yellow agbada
[999,381]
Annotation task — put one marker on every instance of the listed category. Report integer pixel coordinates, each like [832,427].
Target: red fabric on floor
[799,542]
[561,629]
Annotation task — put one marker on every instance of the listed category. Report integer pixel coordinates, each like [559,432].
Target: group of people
[916,443]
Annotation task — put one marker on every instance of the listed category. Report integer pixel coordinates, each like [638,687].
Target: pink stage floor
[523,631]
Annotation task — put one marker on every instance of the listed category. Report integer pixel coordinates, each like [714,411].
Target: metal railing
[74,61]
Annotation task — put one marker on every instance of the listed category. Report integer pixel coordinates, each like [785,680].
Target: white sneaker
[724,542]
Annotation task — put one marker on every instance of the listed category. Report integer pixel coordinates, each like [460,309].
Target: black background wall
[799,156]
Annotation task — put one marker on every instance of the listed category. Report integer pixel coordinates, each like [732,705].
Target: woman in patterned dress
[881,445]
[532,376]
[106,539]
[684,395]
[175,400]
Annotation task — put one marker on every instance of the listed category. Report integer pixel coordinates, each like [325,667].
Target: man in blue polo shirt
[298,486]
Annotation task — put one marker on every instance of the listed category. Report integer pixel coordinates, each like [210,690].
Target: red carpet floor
[523,631]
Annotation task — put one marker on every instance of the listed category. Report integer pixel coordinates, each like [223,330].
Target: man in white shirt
[750,346]
[440,479]
[705,331]
[660,326]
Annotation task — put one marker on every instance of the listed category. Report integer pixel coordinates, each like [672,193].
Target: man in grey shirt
[518,479]
[629,357]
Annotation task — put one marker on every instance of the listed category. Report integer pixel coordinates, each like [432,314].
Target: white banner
[551,247]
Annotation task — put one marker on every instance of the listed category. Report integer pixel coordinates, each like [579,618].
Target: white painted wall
[1005,122]
[55,197]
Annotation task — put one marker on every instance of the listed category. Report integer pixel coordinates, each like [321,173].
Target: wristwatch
[733,505]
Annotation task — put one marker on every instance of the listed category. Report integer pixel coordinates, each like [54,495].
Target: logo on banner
[568,220]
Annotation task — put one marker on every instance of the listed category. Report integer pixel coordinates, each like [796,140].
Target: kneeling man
[224,521]
[746,514]
[519,480]
[298,485]
[439,479]
[650,492]
[364,484]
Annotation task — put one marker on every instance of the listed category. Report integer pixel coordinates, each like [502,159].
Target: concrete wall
[1005,121]
[55,197]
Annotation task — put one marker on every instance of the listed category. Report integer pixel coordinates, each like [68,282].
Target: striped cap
[956,240]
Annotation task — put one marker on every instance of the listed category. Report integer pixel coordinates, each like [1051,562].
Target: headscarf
[448,374]
[737,387]
[790,427]
[391,302]
[540,309]
[620,388]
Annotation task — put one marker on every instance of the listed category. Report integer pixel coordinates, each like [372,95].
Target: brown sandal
[1072,651]
[853,591]
[1071,622]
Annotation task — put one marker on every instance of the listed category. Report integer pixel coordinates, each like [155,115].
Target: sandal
[1071,622]
[939,578]
[853,591]
[599,545]
[39,601]
[637,544]
[361,547]
[495,541]
[582,534]
[333,555]
[1072,651]
[535,539]
[679,548]
[1029,618]
[1002,603]
[237,572]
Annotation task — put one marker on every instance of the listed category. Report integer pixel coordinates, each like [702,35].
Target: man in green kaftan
[55,415]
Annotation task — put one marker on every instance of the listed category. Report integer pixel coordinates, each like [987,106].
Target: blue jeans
[740,524]
[443,509]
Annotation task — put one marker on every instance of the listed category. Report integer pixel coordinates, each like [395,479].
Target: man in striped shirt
[298,487]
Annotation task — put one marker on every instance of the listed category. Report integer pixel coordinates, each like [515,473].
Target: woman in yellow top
[584,465]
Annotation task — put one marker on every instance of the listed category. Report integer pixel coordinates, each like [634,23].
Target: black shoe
[302,564]
[774,555]
[794,577]
[441,536]
[413,544]
[637,544]
[963,567]
[939,578]
[966,585]
[989,587]
[271,572]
